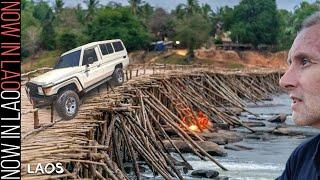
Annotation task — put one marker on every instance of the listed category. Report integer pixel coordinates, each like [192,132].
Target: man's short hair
[312,20]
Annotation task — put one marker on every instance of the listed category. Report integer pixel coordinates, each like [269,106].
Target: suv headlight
[40,91]
[47,90]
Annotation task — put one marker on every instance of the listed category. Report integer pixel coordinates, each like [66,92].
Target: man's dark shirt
[304,162]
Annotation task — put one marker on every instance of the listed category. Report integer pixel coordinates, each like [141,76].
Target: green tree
[27,19]
[58,6]
[190,8]
[48,37]
[161,24]
[206,11]
[290,23]
[80,14]
[179,11]
[145,12]
[67,41]
[113,23]
[30,32]
[242,32]
[30,40]
[40,11]
[134,4]
[68,22]
[48,34]
[286,30]
[225,15]
[25,4]
[114,4]
[259,20]
[192,32]
[303,11]
[92,7]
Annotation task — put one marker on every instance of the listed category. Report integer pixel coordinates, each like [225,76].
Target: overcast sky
[171,4]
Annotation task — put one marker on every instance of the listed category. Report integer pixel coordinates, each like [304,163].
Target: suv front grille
[32,89]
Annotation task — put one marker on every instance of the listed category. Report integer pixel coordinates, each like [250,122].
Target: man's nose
[289,80]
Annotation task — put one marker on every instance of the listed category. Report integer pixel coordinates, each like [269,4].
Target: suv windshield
[69,60]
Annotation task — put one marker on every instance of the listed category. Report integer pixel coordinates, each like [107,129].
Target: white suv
[78,71]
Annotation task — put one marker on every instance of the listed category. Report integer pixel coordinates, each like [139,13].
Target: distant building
[161,45]
[225,38]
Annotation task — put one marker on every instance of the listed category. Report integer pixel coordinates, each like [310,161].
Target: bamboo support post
[127,78]
[130,74]
[157,147]
[131,152]
[52,113]
[36,119]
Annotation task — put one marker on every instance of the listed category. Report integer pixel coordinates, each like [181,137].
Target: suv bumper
[39,101]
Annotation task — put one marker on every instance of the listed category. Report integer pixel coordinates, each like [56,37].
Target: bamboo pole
[127,77]
[131,152]
[52,113]
[35,120]
[155,145]
[130,74]
[194,143]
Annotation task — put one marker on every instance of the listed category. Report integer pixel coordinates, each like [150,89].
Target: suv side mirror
[89,61]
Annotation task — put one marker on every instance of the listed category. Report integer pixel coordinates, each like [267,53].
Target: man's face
[302,79]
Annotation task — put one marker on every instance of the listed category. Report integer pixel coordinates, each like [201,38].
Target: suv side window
[89,56]
[106,48]
[117,46]
[68,60]
[109,47]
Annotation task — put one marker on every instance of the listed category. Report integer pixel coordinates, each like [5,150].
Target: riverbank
[219,58]
[228,59]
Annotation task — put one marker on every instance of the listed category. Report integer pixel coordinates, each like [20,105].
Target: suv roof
[89,45]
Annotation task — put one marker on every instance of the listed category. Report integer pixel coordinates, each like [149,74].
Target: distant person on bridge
[302,81]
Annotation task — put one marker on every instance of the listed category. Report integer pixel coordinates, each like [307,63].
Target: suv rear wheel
[67,104]
[118,77]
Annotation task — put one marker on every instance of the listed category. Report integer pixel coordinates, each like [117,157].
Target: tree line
[256,22]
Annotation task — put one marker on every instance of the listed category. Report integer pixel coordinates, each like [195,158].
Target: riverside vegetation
[49,29]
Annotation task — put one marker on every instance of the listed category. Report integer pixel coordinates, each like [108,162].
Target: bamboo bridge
[128,124]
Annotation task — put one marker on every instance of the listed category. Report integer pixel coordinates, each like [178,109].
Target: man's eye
[305,61]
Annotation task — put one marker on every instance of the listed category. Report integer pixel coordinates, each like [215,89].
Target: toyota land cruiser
[77,72]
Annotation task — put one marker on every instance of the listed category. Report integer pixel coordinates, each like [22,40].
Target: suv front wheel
[67,104]
[118,77]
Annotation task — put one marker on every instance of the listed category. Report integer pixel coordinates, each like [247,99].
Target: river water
[268,157]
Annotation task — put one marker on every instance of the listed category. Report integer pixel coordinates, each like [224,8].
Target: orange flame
[194,128]
[202,120]
[197,123]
